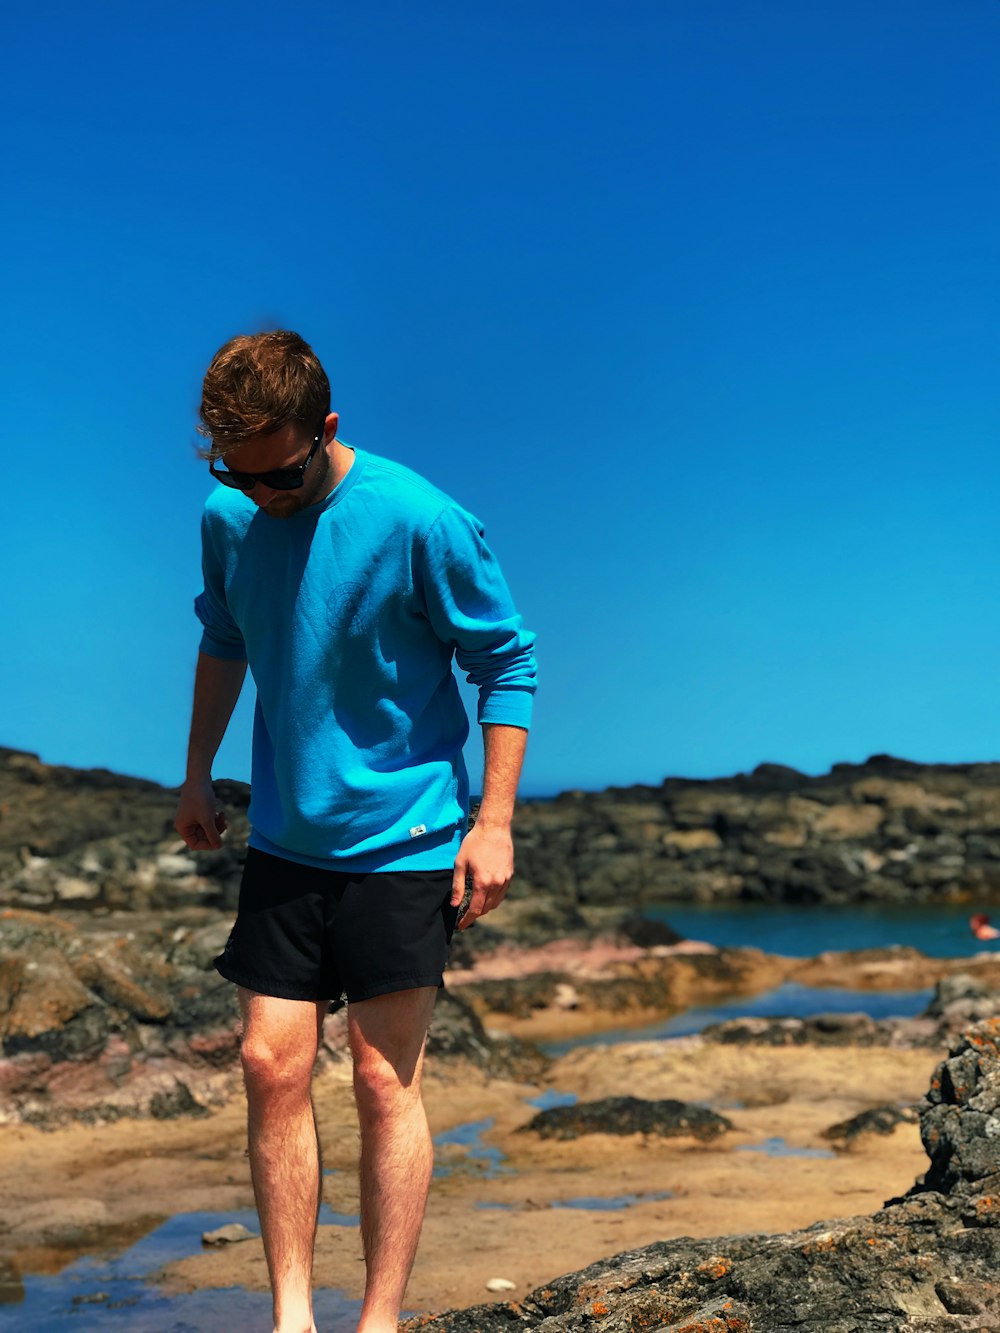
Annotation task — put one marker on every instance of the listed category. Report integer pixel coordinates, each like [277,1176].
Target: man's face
[288,447]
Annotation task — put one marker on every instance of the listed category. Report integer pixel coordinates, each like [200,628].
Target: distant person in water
[981,928]
[349,584]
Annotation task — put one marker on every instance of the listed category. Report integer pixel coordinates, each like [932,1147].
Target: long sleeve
[222,636]
[469,606]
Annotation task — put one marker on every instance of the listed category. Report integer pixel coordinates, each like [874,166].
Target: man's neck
[341,462]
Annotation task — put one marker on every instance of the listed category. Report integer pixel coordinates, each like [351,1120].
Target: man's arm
[487,851]
[217,686]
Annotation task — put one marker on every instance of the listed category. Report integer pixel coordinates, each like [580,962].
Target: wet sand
[65,1190]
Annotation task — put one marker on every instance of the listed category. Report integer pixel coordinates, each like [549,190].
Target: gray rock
[876,1120]
[96,1025]
[230,1234]
[885,830]
[819,1030]
[456,1031]
[923,1263]
[627,1115]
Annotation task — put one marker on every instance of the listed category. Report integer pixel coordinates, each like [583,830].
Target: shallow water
[114,1292]
[778,1147]
[108,1292]
[604,1203]
[785,1001]
[546,1101]
[479,1157]
[941,931]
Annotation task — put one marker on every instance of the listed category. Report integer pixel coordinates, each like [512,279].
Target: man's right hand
[199,820]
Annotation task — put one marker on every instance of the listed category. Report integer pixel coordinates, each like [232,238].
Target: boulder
[876,1120]
[628,1115]
[926,1262]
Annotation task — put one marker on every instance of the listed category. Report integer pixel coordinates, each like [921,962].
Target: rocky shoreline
[121,1093]
[925,1262]
[887,830]
[99,1024]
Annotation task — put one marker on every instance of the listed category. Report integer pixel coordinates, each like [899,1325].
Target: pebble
[232,1231]
[500,1284]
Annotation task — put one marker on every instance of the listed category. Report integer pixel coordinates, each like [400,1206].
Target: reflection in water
[94,1294]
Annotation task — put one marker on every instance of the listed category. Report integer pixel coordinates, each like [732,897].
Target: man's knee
[269,1068]
[381,1088]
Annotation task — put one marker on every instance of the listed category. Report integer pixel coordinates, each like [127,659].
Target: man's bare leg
[387,1043]
[278,1051]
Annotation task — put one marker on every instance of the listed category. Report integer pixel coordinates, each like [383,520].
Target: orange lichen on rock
[821,1243]
[598,1308]
[715,1267]
[988,1034]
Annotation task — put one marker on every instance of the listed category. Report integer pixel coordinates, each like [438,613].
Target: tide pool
[786,1001]
[941,931]
[117,1291]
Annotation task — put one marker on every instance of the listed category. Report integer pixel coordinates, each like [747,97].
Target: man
[348,583]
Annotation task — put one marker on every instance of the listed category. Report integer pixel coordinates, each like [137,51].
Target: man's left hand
[486,856]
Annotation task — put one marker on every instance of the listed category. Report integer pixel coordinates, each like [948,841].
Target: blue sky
[693,304]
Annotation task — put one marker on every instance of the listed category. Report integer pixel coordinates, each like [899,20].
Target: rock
[960,1297]
[103,849]
[923,1263]
[959,1001]
[658,981]
[885,830]
[456,1031]
[819,1030]
[951,991]
[178,1100]
[720,1316]
[566,996]
[646,932]
[876,1120]
[627,1115]
[69,1221]
[960,1116]
[94,1026]
[229,1234]
[500,1284]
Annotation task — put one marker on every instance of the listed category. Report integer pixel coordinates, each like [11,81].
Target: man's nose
[262,495]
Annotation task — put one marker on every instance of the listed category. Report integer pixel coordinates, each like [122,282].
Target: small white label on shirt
[417,829]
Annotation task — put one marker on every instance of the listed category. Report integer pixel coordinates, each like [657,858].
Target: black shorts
[302,933]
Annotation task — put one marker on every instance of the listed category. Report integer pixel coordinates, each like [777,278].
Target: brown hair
[258,383]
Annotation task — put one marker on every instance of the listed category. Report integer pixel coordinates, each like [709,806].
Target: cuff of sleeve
[229,652]
[510,708]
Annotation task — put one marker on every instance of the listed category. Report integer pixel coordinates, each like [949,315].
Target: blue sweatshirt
[349,614]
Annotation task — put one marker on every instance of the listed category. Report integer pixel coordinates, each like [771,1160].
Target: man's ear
[330,430]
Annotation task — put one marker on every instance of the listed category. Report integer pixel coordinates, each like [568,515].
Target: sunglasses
[281,479]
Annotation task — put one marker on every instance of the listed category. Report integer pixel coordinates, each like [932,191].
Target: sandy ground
[63,1188]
